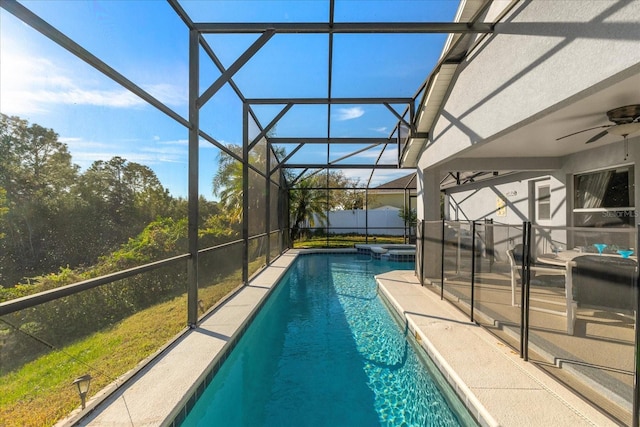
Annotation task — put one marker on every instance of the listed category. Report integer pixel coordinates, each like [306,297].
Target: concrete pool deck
[498,387]
[495,383]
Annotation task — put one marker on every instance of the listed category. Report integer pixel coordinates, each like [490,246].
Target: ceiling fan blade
[584,130]
[594,138]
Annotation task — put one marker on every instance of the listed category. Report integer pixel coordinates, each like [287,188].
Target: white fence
[383,221]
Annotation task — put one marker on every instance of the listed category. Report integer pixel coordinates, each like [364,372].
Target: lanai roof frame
[198,99]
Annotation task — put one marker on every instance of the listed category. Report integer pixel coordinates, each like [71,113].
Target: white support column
[428,208]
[429,194]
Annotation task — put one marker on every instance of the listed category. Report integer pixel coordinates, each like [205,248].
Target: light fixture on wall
[83,387]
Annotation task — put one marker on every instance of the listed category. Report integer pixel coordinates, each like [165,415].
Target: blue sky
[147,43]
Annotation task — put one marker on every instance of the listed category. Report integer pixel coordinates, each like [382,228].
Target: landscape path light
[83,387]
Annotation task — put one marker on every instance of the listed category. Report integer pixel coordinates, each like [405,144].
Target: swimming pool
[325,351]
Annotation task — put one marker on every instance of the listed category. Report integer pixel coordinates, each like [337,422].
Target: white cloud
[389,155]
[381,129]
[380,176]
[168,94]
[152,152]
[77,144]
[349,113]
[164,153]
[182,142]
[85,158]
[67,140]
[202,143]
[383,176]
[31,84]
[117,98]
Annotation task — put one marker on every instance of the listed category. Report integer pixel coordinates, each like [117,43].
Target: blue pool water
[324,351]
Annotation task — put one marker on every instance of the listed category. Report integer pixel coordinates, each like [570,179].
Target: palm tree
[227,183]
[307,204]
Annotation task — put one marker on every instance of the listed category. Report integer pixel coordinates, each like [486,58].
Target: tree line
[54,216]
[59,226]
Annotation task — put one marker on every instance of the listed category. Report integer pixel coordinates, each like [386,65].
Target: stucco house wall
[541,57]
[378,199]
[506,200]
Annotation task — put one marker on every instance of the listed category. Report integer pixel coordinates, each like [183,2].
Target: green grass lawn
[40,393]
[344,241]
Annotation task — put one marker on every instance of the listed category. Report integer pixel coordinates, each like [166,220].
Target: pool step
[388,252]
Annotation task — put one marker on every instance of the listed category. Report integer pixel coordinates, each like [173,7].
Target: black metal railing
[34,300]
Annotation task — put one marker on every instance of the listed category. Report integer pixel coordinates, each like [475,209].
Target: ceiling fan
[626,120]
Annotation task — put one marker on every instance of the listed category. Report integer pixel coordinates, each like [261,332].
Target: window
[544,202]
[604,198]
